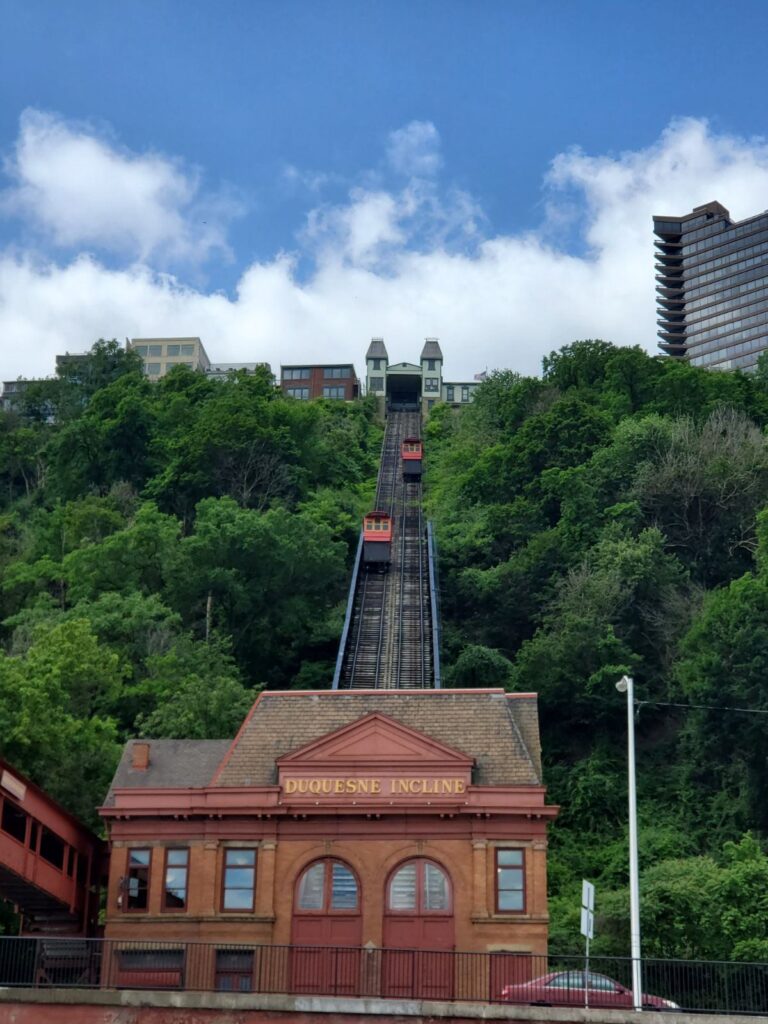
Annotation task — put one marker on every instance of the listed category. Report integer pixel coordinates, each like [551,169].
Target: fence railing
[716,987]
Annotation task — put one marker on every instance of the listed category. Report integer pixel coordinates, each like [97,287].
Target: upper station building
[712,291]
[413,385]
[383,819]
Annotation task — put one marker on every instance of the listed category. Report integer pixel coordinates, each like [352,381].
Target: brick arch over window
[418,915]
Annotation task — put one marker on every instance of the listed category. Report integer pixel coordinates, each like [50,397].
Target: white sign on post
[588,895]
[587,928]
[587,910]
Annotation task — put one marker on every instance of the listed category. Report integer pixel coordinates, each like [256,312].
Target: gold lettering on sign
[376,787]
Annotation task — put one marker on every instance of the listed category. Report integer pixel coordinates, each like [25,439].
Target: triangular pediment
[407,368]
[376,741]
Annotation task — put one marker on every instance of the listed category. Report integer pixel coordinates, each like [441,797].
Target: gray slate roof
[173,764]
[502,735]
[376,349]
[431,349]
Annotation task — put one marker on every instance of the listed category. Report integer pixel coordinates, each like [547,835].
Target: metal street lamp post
[626,685]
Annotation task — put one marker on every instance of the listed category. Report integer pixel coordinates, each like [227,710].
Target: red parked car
[566,988]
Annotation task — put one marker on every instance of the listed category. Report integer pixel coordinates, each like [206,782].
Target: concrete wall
[77,1006]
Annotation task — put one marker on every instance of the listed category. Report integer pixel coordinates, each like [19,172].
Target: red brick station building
[387,819]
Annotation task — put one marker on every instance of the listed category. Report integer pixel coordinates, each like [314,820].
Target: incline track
[389,644]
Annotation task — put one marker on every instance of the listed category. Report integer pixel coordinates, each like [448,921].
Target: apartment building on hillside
[326,380]
[160,355]
[712,287]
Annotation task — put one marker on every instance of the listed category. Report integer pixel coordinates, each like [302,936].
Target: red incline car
[566,988]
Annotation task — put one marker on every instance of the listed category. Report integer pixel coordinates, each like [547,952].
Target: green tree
[195,692]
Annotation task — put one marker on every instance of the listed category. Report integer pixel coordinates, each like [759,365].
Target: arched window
[419,887]
[327,886]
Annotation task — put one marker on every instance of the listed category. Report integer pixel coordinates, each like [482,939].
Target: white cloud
[408,264]
[78,190]
[414,150]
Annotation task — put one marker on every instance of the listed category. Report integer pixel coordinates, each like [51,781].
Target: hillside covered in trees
[168,548]
[612,517]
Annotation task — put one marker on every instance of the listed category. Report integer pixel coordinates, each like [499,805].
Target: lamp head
[623,684]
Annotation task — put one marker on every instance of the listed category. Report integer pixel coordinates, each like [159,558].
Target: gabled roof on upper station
[404,368]
[497,730]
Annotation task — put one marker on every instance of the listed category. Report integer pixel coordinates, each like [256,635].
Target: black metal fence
[382,973]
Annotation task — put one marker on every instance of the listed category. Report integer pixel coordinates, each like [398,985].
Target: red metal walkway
[50,864]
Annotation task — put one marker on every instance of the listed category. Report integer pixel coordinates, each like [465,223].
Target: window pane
[343,889]
[187,350]
[599,981]
[510,878]
[139,858]
[510,858]
[238,878]
[234,960]
[568,979]
[175,899]
[236,857]
[178,856]
[173,350]
[176,878]
[140,349]
[510,899]
[155,350]
[151,959]
[402,889]
[238,899]
[311,888]
[52,849]
[435,888]
[14,821]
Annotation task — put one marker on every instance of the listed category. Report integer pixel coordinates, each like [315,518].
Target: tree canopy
[611,517]
[166,550]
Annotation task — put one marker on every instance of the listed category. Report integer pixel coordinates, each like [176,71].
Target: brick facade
[318,379]
[323,775]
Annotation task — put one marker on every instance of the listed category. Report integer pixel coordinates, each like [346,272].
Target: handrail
[434,603]
[348,616]
[448,975]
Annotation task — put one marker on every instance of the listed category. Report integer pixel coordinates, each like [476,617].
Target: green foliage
[54,719]
[166,549]
[612,517]
[196,691]
[478,666]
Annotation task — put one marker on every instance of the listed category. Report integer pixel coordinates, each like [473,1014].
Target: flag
[481,376]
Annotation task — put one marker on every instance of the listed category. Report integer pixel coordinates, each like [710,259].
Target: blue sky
[286,179]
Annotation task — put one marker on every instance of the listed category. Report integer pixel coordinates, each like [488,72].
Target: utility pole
[626,685]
